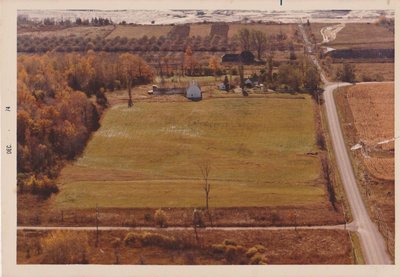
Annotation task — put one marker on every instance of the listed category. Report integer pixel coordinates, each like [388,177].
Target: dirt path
[350,227]
[329,33]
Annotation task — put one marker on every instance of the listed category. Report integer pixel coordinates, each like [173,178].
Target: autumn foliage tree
[214,65]
[134,71]
[189,61]
[56,112]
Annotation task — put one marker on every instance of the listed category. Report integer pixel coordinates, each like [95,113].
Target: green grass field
[149,155]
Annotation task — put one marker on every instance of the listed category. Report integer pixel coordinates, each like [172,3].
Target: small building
[246,57]
[193,91]
[248,83]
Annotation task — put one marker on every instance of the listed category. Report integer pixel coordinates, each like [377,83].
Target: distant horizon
[185,16]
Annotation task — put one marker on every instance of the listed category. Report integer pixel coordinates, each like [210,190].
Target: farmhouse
[193,91]
[245,57]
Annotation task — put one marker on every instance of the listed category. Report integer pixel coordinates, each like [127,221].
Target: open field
[257,148]
[364,71]
[372,106]
[139,31]
[362,35]
[281,247]
[269,29]
[81,31]
[201,30]
[367,114]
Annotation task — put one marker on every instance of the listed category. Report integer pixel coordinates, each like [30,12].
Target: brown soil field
[86,32]
[269,29]
[381,168]
[367,113]
[372,106]
[316,30]
[139,31]
[201,30]
[363,35]
[281,247]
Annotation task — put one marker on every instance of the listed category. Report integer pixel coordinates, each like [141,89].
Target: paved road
[113,228]
[372,242]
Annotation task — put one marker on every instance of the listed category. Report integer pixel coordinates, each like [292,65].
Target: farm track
[372,242]
[349,227]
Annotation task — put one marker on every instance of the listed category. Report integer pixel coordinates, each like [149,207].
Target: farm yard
[367,114]
[250,159]
[156,149]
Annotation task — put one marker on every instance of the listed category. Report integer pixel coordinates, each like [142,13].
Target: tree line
[60,99]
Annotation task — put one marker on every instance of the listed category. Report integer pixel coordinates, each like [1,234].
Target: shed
[246,57]
[193,91]
[248,83]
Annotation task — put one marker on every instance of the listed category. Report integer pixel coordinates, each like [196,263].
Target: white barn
[193,92]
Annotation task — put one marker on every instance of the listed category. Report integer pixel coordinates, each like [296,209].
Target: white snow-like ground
[193,16]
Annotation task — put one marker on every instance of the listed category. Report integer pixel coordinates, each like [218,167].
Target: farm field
[270,29]
[80,31]
[367,114]
[281,247]
[353,35]
[364,71]
[139,31]
[149,156]
[375,126]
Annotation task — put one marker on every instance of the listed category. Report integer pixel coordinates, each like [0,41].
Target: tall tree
[189,61]
[259,41]
[214,65]
[205,169]
[245,39]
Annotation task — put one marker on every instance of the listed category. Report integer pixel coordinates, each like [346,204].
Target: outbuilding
[193,91]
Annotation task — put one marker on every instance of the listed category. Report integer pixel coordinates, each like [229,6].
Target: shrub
[65,247]
[41,186]
[148,217]
[229,242]
[260,248]
[152,239]
[251,252]
[256,258]
[116,243]
[198,220]
[160,218]
[218,249]
[131,238]
[234,254]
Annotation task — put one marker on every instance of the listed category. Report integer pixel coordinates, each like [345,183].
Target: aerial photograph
[205,137]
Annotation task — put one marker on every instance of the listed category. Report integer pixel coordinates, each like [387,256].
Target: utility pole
[97,225]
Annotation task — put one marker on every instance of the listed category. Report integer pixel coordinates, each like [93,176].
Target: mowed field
[149,156]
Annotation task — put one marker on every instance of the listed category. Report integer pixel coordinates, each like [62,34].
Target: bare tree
[245,39]
[259,41]
[205,169]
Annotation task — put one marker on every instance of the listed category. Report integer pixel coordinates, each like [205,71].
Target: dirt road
[372,242]
[329,33]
